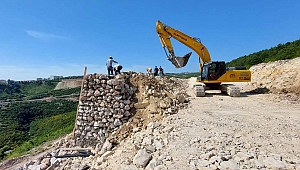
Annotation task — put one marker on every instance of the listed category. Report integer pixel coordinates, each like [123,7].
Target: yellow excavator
[212,73]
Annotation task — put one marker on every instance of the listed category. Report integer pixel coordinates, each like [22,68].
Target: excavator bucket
[179,62]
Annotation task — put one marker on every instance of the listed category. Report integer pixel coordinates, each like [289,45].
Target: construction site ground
[265,124]
[258,130]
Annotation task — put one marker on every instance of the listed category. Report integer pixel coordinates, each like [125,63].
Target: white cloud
[43,35]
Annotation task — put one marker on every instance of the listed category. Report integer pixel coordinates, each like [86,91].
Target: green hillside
[288,50]
[25,90]
[22,122]
[183,75]
[26,124]
[18,90]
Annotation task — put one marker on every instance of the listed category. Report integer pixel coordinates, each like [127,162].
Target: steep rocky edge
[281,76]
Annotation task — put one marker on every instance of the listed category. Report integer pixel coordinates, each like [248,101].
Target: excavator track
[228,89]
[231,90]
[199,90]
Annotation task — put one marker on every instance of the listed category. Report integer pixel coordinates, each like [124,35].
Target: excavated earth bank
[281,76]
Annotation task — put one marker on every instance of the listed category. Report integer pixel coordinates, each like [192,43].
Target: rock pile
[156,98]
[105,104]
[111,110]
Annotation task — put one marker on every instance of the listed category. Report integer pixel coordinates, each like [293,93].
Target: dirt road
[217,131]
[64,97]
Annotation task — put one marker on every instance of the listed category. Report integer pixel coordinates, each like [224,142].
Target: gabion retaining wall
[105,104]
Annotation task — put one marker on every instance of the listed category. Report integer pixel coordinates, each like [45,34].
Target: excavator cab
[213,70]
[179,62]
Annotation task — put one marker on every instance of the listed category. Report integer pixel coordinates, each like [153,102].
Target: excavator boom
[165,33]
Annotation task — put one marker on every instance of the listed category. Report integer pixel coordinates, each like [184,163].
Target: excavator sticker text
[180,36]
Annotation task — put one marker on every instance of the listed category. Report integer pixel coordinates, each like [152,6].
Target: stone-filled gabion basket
[105,104]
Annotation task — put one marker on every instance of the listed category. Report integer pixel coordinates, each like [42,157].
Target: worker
[117,69]
[155,71]
[161,71]
[149,71]
[109,65]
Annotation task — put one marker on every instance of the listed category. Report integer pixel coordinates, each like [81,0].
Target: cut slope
[281,76]
[68,83]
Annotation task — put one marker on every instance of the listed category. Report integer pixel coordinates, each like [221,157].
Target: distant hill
[26,90]
[18,90]
[26,122]
[69,83]
[183,75]
[288,50]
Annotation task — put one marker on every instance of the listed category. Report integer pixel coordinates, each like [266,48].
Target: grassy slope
[288,50]
[17,119]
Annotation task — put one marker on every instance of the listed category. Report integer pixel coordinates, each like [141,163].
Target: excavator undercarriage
[228,89]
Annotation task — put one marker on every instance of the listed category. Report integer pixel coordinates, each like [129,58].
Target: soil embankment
[281,76]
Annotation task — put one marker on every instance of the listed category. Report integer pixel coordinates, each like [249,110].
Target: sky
[61,37]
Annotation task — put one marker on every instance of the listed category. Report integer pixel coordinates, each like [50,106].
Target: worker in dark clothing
[161,71]
[155,71]
[117,69]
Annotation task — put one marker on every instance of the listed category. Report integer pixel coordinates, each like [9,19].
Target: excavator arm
[165,33]
[214,74]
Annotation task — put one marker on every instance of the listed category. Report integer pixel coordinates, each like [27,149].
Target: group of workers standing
[157,71]
[117,68]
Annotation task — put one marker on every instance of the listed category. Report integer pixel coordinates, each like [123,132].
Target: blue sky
[60,37]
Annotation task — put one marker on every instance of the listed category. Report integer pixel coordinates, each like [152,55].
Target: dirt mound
[68,83]
[281,76]
[156,98]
